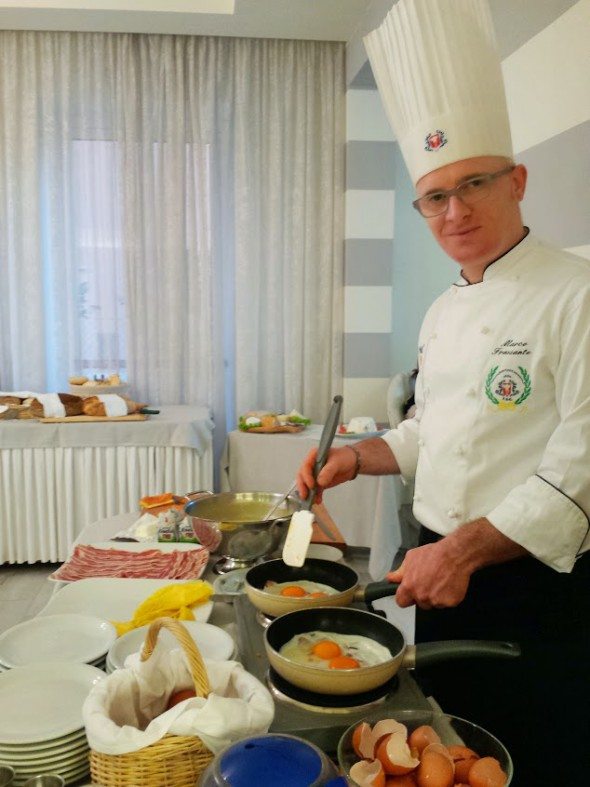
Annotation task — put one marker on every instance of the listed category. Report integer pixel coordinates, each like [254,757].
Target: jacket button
[471,392]
[421,442]
[452,513]
[460,450]
[485,329]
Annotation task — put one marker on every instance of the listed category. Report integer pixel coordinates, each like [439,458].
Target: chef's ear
[519,178]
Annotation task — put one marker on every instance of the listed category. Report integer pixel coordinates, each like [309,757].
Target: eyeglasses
[470,191]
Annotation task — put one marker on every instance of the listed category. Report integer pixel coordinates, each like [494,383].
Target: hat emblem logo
[435,140]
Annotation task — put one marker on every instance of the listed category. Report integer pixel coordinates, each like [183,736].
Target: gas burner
[263,620]
[327,703]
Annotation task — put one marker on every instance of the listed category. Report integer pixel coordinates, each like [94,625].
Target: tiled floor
[24,591]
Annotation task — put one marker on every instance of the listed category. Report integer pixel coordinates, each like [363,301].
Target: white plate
[35,756]
[44,701]
[48,747]
[213,642]
[66,762]
[67,637]
[360,435]
[324,552]
[113,598]
[140,546]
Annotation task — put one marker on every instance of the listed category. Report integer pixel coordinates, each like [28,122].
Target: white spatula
[301,525]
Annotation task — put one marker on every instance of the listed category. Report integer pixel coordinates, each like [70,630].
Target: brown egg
[487,772]
[463,759]
[394,753]
[362,741]
[401,781]
[421,737]
[368,773]
[435,770]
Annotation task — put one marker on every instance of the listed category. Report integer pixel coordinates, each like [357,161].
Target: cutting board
[318,536]
[85,419]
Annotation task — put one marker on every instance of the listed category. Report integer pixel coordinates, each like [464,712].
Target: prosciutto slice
[88,561]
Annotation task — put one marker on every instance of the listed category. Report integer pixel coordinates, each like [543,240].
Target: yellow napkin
[170,601]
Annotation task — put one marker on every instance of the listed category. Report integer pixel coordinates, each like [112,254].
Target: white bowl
[324,552]
[213,642]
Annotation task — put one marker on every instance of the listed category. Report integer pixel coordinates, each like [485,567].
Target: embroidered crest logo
[507,388]
[435,140]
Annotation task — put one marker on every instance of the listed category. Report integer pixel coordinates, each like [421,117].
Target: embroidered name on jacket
[512,347]
[507,388]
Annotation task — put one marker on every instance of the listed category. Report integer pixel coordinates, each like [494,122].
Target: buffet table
[56,478]
[372,511]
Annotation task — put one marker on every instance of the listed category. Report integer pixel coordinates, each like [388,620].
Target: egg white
[310,587]
[366,651]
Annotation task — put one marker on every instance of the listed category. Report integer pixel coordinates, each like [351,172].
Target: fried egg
[301,588]
[329,650]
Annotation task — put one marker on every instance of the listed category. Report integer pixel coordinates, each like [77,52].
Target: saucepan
[350,621]
[325,572]
[237,518]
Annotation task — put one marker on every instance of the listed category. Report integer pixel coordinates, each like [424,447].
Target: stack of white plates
[69,637]
[41,728]
[213,643]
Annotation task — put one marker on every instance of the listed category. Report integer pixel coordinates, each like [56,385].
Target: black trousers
[539,704]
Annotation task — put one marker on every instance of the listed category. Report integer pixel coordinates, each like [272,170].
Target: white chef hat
[439,76]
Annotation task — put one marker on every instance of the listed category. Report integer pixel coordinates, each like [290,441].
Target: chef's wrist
[357,460]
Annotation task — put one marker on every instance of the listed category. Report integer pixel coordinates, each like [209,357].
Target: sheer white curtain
[171,207]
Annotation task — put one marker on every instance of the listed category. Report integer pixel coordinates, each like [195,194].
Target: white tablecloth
[54,481]
[367,510]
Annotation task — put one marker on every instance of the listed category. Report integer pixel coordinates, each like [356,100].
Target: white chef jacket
[502,426]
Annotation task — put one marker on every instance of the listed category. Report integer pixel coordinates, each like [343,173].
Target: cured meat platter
[131,560]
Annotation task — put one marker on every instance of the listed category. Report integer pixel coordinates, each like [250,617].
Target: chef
[499,448]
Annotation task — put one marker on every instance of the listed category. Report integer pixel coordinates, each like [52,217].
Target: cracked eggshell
[395,754]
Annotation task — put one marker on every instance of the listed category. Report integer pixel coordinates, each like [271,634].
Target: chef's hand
[429,577]
[437,575]
[340,467]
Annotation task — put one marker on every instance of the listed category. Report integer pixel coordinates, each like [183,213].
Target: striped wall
[546,66]
[370,209]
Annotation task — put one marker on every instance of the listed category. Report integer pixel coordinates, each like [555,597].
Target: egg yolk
[319,594]
[343,662]
[295,591]
[326,649]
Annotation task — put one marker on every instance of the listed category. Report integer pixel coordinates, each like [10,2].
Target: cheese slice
[298,538]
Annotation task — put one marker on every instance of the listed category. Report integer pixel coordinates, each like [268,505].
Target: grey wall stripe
[368,261]
[370,165]
[515,23]
[367,354]
[559,169]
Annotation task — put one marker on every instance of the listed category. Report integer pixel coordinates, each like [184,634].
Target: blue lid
[270,760]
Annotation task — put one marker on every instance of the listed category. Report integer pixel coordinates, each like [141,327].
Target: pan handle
[375,590]
[446,650]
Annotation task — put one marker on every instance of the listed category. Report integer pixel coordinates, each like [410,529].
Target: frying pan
[346,620]
[337,575]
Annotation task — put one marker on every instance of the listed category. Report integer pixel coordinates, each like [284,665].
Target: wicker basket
[173,761]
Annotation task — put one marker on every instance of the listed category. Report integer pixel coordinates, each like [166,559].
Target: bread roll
[93,406]
[10,400]
[72,403]
[77,380]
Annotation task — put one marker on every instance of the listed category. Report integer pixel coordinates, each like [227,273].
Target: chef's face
[474,235]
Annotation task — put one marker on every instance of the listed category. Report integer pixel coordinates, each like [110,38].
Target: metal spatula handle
[326,439]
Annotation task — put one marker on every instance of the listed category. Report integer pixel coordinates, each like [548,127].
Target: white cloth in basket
[118,710]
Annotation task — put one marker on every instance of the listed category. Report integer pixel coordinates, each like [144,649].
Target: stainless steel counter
[323,726]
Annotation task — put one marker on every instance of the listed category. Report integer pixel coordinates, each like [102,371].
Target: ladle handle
[326,439]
